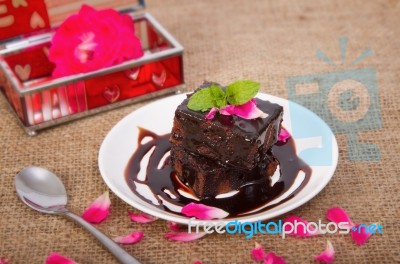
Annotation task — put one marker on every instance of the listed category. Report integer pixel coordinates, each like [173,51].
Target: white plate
[121,142]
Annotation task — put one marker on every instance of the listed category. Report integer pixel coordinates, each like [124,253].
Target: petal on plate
[141,218]
[360,235]
[328,255]
[98,210]
[338,215]
[283,135]
[204,212]
[184,236]
[174,226]
[272,258]
[210,115]
[132,238]
[55,258]
[257,253]
[298,227]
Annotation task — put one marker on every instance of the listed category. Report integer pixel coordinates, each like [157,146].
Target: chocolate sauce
[164,184]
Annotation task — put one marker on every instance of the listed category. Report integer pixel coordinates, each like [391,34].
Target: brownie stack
[217,156]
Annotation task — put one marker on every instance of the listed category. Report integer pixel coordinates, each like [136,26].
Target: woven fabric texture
[226,40]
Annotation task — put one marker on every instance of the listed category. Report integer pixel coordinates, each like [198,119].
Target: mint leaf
[202,100]
[241,92]
[218,95]
[237,93]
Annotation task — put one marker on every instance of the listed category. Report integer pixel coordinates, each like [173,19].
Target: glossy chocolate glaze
[249,128]
[164,185]
[230,140]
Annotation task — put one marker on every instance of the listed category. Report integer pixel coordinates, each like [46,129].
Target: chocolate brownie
[230,140]
[208,178]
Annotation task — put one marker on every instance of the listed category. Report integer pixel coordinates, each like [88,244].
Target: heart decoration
[6,21]
[37,21]
[111,93]
[159,79]
[133,73]
[17,3]
[23,72]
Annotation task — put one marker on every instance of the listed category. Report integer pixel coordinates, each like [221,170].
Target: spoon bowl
[43,191]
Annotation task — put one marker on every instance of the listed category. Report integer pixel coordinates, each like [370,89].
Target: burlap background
[226,40]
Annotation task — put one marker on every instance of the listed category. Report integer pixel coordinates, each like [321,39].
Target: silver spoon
[43,191]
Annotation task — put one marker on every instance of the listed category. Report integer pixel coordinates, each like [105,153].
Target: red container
[41,101]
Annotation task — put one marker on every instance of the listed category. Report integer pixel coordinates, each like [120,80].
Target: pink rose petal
[132,238]
[98,210]
[55,258]
[227,110]
[174,226]
[204,212]
[328,255]
[248,110]
[300,231]
[283,135]
[4,261]
[257,253]
[272,258]
[197,262]
[184,236]
[360,235]
[337,215]
[141,218]
[212,113]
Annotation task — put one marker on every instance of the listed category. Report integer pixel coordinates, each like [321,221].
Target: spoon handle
[113,247]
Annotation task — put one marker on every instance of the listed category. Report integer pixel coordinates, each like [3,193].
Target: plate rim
[263,215]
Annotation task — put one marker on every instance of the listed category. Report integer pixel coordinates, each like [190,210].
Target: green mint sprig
[236,93]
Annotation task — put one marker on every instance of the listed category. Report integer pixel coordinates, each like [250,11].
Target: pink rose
[91,40]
